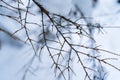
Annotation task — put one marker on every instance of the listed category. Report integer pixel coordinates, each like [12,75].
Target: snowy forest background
[59,39]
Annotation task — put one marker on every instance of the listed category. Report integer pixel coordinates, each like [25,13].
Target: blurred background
[17,56]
